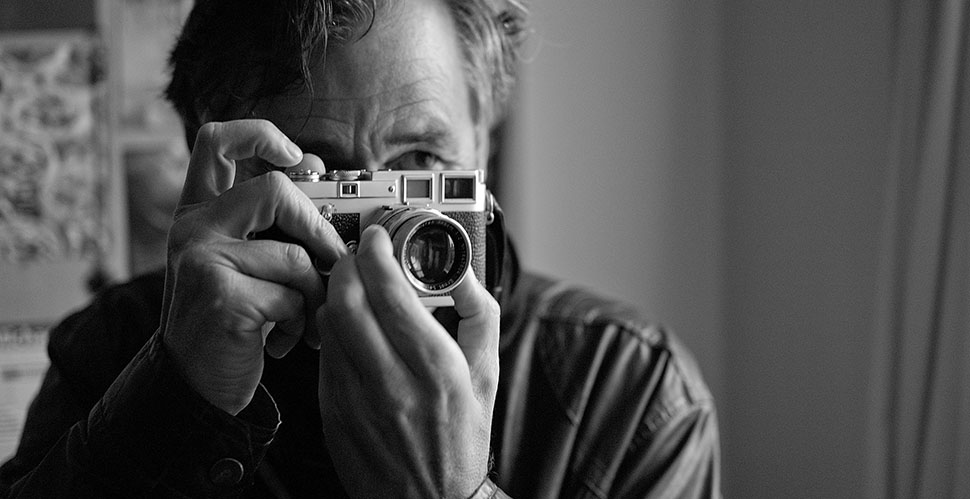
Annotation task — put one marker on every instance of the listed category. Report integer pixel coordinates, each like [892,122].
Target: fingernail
[294,150]
[312,162]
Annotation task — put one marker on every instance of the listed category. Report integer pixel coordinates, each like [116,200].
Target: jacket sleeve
[147,433]
[600,403]
[676,455]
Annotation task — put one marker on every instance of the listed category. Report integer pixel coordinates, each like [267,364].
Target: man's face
[396,98]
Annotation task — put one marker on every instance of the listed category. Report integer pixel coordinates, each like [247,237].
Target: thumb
[478,333]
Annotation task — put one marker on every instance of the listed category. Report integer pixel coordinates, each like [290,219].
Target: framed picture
[54,164]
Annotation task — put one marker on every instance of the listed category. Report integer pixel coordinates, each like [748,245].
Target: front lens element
[434,250]
[431,254]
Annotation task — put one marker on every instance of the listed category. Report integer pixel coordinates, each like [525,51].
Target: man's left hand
[406,409]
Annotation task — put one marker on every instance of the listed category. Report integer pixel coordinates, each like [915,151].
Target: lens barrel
[433,250]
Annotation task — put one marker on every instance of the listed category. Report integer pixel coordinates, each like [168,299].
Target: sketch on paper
[53,151]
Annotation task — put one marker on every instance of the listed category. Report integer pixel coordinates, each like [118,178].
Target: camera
[436,219]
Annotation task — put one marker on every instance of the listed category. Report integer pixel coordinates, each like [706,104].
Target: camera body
[436,219]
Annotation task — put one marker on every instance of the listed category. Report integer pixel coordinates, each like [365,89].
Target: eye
[417,160]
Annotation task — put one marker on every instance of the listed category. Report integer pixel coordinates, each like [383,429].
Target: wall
[46,14]
[721,164]
[806,122]
[614,171]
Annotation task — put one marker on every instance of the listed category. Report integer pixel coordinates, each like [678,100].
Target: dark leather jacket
[592,403]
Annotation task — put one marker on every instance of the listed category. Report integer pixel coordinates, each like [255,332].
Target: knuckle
[275,182]
[183,228]
[487,380]
[277,178]
[492,308]
[207,134]
[447,367]
[186,235]
[262,125]
[194,258]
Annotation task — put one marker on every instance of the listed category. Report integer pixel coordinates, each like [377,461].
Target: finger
[283,263]
[348,320]
[309,163]
[350,425]
[286,264]
[311,332]
[478,334]
[284,336]
[272,200]
[412,331]
[218,146]
[480,314]
[259,303]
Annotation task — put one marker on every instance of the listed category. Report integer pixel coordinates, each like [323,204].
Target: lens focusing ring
[410,230]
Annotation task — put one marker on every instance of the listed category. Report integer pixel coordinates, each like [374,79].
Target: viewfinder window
[461,188]
[348,189]
[418,188]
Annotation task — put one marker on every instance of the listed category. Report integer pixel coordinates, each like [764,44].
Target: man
[265,368]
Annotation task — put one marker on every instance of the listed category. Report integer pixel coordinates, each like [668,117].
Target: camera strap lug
[489,209]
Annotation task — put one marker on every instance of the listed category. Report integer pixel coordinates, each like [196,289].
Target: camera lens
[434,250]
[431,254]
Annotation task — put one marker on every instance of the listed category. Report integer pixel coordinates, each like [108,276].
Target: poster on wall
[54,180]
[23,362]
[53,150]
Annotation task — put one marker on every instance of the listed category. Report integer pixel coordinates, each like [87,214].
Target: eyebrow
[435,136]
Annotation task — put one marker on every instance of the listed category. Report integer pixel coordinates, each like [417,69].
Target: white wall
[806,121]
[614,176]
[722,165]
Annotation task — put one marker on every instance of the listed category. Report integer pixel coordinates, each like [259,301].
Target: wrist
[486,490]
[231,400]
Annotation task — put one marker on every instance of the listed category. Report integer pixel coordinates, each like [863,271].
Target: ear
[483,146]
[483,129]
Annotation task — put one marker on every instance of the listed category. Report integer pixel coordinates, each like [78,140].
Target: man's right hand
[223,290]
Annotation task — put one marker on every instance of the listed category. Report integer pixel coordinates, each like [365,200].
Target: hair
[232,53]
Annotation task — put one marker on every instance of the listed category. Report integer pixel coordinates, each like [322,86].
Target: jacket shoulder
[596,350]
[94,344]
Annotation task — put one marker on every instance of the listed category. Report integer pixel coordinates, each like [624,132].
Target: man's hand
[406,410]
[223,291]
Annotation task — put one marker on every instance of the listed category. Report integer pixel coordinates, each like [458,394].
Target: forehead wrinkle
[434,86]
[406,105]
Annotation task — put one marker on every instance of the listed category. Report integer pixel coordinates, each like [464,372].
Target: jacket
[593,402]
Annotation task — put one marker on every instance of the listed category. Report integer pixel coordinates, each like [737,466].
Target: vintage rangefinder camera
[436,219]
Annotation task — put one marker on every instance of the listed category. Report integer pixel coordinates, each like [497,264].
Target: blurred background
[730,168]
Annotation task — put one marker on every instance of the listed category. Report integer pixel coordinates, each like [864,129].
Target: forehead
[409,58]
[409,39]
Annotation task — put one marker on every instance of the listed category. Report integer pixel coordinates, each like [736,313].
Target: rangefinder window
[459,189]
[417,188]
[348,189]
